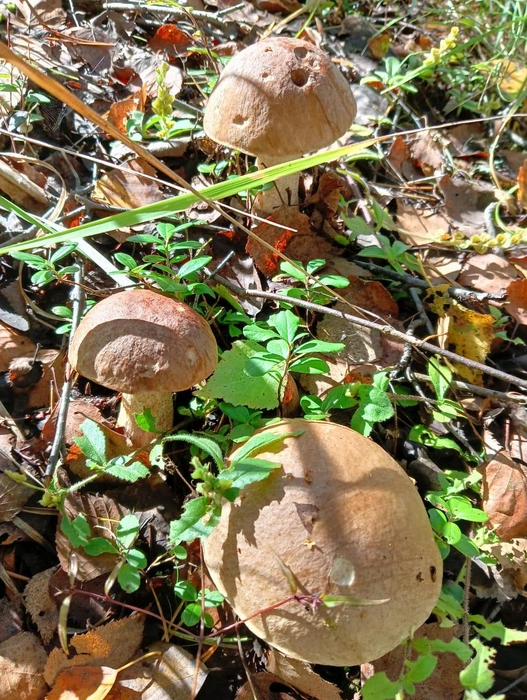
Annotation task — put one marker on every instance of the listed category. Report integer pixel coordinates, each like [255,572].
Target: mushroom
[340,518]
[146,346]
[278,100]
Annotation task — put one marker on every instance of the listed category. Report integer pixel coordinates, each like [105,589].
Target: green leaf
[92,443]
[230,383]
[493,630]
[452,533]
[120,468]
[77,530]
[467,547]
[259,366]
[129,578]
[185,590]
[333,601]
[194,265]
[126,260]
[440,376]
[421,669]
[202,443]
[213,599]
[146,421]
[318,346]
[191,615]
[380,687]
[34,261]
[100,545]
[258,334]
[257,442]
[478,675]
[309,365]
[375,405]
[128,530]
[192,523]
[247,471]
[292,271]
[286,324]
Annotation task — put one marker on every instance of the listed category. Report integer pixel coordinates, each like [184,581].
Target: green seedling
[131,560]
[312,287]
[216,482]
[197,603]
[452,504]
[254,372]
[396,254]
[170,265]
[47,269]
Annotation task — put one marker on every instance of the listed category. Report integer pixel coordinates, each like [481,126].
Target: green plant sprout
[131,560]
[163,266]
[198,601]
[268,365]
[47,270]
[372,403]
[396,254]
[452,504]
[216,484]
[312,289]
[162,124]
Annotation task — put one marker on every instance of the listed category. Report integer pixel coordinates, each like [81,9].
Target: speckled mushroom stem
[284,192]
[162,408]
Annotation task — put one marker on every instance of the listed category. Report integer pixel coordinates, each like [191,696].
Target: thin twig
[77,297]
[384,329]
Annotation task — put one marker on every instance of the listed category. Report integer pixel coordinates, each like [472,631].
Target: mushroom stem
[284,191]
[162,407]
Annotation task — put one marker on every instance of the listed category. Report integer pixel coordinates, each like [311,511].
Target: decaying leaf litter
[403,269]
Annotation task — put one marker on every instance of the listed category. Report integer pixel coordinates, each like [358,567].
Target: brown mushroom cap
[140,341]
[279,98]
[344,519]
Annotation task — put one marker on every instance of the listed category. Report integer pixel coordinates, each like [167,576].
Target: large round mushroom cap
[343,519]
[140,341]
[279,98]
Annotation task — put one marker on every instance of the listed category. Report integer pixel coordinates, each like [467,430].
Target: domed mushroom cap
[345,520]
[279,98]
[141,341]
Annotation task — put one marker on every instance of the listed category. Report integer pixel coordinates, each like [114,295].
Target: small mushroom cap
[279,98]
[339,518]
[140,341]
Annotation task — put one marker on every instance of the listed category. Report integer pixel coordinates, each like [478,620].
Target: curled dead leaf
[505,496]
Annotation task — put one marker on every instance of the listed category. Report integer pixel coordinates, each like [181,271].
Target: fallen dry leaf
[487,273]
[112,644]
[128,190]
[301,676]
[103,515]
[521,194]
[468,333]
[40,605]
[13,497]
[505,496]
[419,224]
[512,562]
[170,40]
[83,683]
[22,660]
[297,241]
[169,676]
[517,298]
[13,345]
[120,111]
[260,687]
[465,202]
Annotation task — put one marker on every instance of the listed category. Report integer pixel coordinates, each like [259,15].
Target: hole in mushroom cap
[239,119]
[300,52]
[299,76]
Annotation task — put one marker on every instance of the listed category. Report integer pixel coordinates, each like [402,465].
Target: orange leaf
[505,496]
[83,683]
